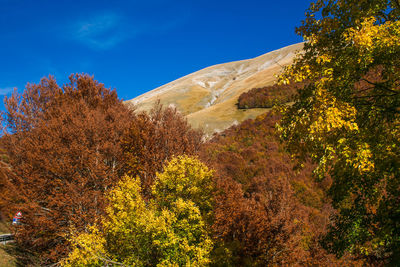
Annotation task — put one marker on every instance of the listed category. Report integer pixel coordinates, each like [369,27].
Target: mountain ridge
[208,96]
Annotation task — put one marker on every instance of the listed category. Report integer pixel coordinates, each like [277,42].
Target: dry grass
[5,259]
[192,101]
[190,94]
[221,116]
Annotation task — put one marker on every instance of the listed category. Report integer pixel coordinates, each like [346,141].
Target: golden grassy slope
[208,97]
[5,258]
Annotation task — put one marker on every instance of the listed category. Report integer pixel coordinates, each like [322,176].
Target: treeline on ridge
[268,96]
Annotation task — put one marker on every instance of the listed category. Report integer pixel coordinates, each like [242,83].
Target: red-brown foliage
[266,213]
[154,138]
[63,149]
[267,97]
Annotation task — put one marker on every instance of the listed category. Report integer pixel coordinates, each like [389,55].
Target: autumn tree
[5,185]
[154,138]
[171,229]
[267,97]
[63,149]
[347,120]
[266,213]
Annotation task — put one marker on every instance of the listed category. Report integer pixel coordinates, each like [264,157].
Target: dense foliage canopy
[154,138]
[267,97]
[170,230]
[63,151]
[265,212]
[63,147]
[347,119]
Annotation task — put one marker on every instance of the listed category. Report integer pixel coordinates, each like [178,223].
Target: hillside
[209,96]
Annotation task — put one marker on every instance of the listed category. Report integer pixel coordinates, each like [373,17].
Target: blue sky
[136,46]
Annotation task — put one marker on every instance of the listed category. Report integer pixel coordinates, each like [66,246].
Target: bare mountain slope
[208,97]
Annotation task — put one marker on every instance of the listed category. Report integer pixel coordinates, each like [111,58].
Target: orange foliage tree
[267,97]
[154,138]
[63,149]
[265,212]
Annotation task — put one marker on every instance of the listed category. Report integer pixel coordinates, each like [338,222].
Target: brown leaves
[67,146]
[154,138]
[267,97]
[261,214]
[64,152]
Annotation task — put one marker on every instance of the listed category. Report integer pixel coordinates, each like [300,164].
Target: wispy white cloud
[6,90]
[101,31]
[107,30]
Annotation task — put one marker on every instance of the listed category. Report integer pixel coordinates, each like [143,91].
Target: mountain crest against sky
[208,97]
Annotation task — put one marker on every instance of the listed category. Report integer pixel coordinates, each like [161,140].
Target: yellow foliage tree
[347,119]
[169,230]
